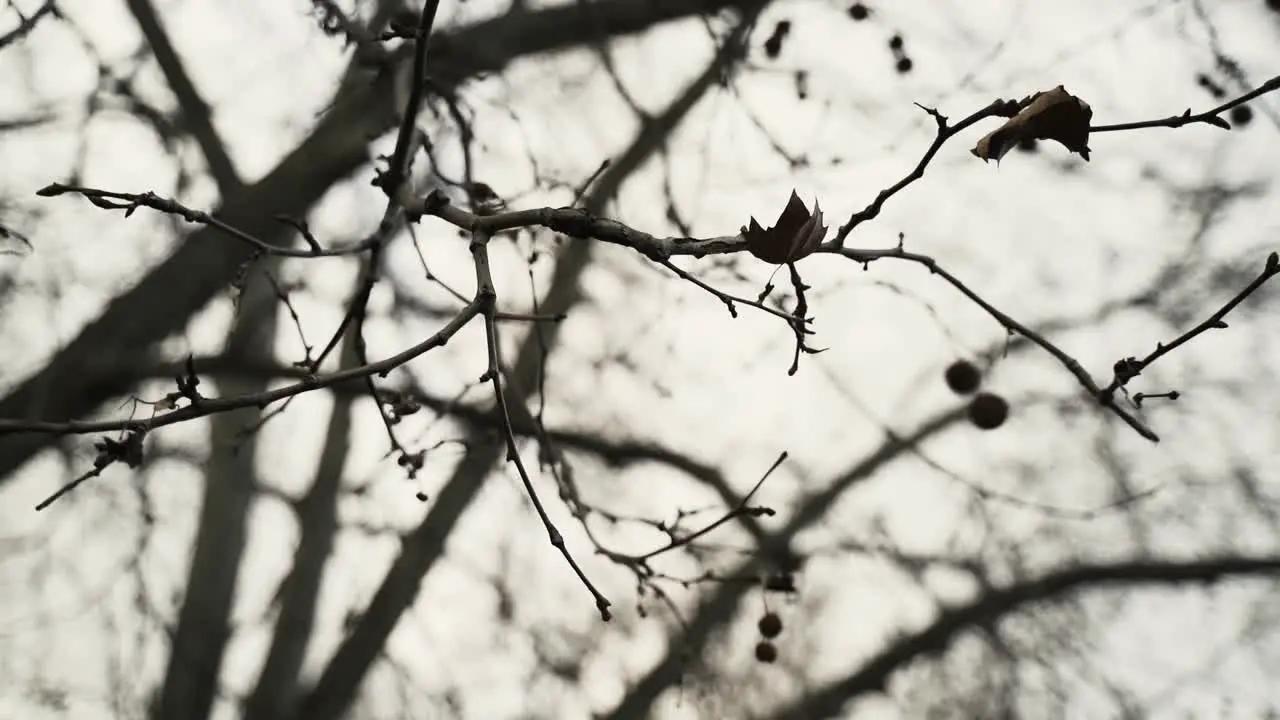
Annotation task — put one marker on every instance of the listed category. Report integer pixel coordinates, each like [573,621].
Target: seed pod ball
[770,625]
[963,377]
[766,652]
[988,411]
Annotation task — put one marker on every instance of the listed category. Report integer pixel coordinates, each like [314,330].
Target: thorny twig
[282,294]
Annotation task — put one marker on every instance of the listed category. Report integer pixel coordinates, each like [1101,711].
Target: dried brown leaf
[796,234]
[1051,115]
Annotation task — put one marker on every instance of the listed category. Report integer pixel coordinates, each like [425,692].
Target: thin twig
[945,131]
[486,297]
[401,158]
[1070,363]
[742,508]
[210,406]
[1129,368]
[1209,117]
[130,202]
[283,296]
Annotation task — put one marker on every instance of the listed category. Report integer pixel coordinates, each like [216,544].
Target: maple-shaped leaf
[1051,115]
[797,233]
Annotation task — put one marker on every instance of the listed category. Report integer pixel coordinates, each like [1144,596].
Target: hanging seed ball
[766,652]
[988,411]
[770,625]
[859,11]
[963,377]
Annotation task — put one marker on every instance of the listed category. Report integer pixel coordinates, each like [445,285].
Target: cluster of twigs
[483,222]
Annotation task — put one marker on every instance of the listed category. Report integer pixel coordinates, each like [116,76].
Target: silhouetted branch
[722,604]
[742,508]
[1131,367]
[204,406]
[130,202]
[163,300]
[1208,117]
[945,131]
[402,157]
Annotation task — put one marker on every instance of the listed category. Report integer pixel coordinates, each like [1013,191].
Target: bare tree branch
[129,202]
[278,683]
[1208,117]
[338,684]
[722,604]
[161,302]
[830,699]
[1129,368]
[199,641]
[195,111]
[211,406]
[113,354]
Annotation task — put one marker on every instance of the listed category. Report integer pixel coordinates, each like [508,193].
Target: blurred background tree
[368,549]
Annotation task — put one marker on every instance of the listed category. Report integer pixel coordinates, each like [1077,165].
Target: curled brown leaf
[1051,115]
